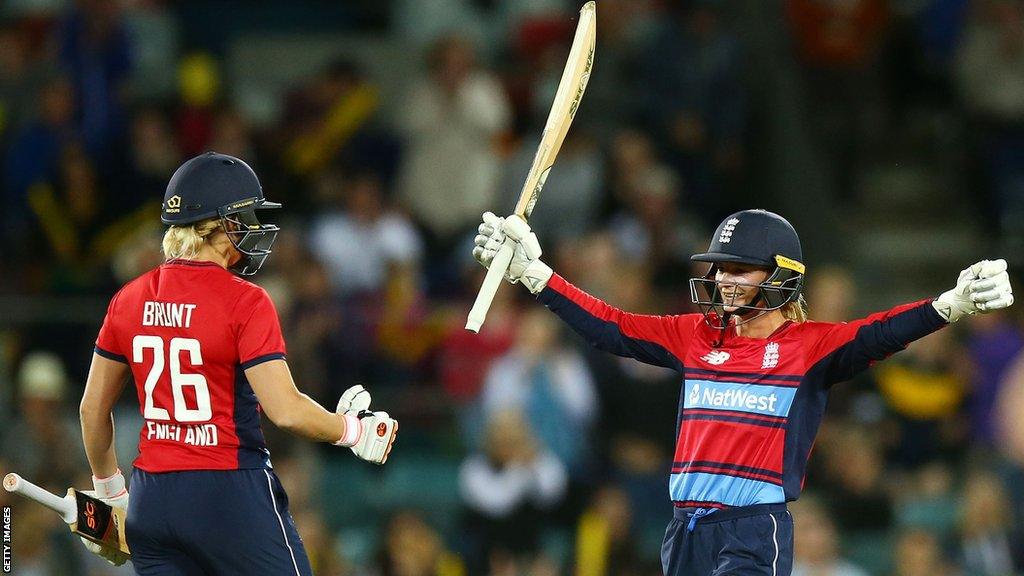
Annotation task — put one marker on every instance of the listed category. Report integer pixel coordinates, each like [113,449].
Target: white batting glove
[111,491]
[492,235]
[983,287]
[526,266]
[370,435]
[354,400]
[488,239]
[379,432]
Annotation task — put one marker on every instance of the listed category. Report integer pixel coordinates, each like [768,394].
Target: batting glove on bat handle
[488,240]
[526,266]
[981,288]
[112,491]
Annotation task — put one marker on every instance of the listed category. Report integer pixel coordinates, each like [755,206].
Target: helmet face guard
[252,239]
[780,288]
[756,238]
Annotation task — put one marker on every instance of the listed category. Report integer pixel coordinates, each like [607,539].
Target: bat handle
[63,506]
[495,273]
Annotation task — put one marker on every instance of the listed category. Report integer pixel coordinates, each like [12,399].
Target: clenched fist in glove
[983,287]
[526,266]
[370,435]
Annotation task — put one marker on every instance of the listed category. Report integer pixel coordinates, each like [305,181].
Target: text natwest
[737,399]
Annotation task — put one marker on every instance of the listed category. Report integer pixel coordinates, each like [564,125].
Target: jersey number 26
[182,413]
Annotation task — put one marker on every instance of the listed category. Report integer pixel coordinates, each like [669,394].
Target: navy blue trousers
[743,541]
[212,522]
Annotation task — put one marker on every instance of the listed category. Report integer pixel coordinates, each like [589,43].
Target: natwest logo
[709,397]
[715,357]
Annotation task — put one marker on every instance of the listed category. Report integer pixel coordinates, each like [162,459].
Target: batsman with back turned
[207,356]
[755,376]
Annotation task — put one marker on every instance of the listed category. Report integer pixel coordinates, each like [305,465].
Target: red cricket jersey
[189,330]
[749,408]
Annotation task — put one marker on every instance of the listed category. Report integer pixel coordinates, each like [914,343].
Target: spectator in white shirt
[361,243]
[452,125]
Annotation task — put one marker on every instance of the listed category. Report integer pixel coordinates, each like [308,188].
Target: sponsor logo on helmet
[716,357]
[242,204]
[771,355]
[173,204]
[726,236]
[789,264]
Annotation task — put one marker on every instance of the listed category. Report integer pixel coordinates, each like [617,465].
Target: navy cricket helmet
[214,185]
[759,238]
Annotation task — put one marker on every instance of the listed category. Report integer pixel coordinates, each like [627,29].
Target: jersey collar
[184,262]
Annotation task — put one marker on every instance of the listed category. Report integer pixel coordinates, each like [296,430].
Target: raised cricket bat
[563,110]
[86,516]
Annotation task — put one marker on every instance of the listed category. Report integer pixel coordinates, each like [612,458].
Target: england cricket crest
[771,355]
[726,236]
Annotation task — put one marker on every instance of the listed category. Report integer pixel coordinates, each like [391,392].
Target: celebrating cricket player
[755,376]
[206,353]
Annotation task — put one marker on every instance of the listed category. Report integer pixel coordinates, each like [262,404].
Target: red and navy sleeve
[657,340]
[106,342]
[837,352]
[259,337]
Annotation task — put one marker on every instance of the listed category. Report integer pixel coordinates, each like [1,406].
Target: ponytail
[795,310]
[185,241]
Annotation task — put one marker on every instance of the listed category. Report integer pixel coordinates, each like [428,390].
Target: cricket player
[205,351]
[755,377]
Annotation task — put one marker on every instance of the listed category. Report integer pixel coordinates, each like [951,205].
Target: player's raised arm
[842,350]
[658,340]
[370,434]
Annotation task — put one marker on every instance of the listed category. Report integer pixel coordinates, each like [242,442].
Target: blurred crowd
[523,452]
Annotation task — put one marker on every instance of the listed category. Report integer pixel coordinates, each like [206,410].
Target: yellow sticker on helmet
[789,264]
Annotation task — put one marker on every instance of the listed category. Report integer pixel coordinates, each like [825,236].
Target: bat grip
[63,506]
[489,288]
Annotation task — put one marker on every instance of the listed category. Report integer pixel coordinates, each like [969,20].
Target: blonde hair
[185,241]
[796,310]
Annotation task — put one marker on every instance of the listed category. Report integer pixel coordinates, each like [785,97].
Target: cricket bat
[86,516]
[563,110]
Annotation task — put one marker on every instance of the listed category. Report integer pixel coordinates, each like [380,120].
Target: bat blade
[99,522]
[568,96]
[86,516]
[573,83]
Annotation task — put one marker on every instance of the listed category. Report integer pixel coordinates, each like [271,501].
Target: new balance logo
[726,236]
[715,357]
[771,355]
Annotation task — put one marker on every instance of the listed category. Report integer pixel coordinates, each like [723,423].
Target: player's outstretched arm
[296,412]
[657,340]
[980,288]
[848,348]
